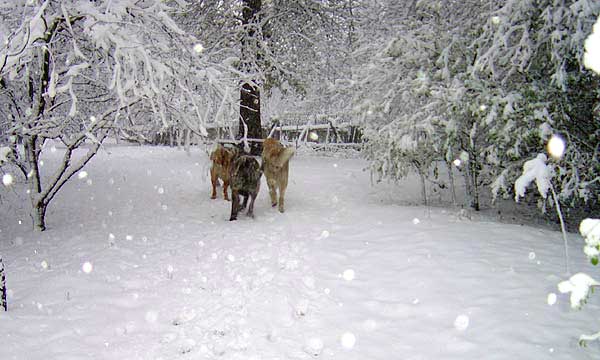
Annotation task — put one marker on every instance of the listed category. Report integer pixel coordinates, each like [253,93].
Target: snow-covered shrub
[531,62]
[409,86]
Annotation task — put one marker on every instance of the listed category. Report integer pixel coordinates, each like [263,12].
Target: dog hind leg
[251,207]
[235,204]
[213,180]
[272,192]
[225,194]
[281,198]
[245,202]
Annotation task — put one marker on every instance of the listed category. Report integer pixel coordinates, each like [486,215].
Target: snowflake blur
[7,179]
[348,340]
[556,146]
[461,323]
[198,48]
[87,267]
[348,275]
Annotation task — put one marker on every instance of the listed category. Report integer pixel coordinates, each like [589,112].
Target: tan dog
[222,161]
[275,165]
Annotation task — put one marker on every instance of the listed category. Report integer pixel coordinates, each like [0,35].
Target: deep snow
[139,263]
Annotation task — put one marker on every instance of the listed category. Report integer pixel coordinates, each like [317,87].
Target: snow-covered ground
[139,263]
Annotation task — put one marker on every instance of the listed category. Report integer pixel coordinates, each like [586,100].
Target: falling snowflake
[313,136]
[198,48]
[551,299]
[416,221]
[348,340]
[161,190]
[87,267]
[457,162]
[231,257]
[82,174]
[495,20]
[531,255]
[461,323]
[348,275]
[556,146]
[7,179]
[44,265]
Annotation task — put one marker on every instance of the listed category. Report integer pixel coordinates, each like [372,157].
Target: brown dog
[275,165]
[222,161]
[245,181]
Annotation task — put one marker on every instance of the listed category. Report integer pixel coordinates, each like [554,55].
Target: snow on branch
[534,170]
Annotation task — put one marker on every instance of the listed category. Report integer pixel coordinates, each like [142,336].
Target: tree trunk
[39,215]
[451,178]
[471,185]
[250,125]
[423,187]
[250,116]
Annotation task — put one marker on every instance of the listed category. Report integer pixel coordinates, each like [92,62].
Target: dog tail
[284,156]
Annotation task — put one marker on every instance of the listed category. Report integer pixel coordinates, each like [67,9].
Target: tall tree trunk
[39,215]
[250,124]
[250,116]
[451,178]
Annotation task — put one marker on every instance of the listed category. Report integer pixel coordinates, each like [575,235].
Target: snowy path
[343,274]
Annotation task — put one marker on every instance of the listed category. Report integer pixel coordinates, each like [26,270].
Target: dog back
[245,174]
[276,155]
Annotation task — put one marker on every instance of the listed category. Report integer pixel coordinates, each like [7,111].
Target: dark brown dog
[245,181]
[222,160]
[275,164]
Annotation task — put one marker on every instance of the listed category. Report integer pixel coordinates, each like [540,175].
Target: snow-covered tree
[411,80]
[528,73]
[74,71]
[291,45]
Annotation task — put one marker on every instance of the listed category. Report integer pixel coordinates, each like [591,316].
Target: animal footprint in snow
[301,309]
[313,347]
[185,316]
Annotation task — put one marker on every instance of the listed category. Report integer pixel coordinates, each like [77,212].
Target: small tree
[74,71]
